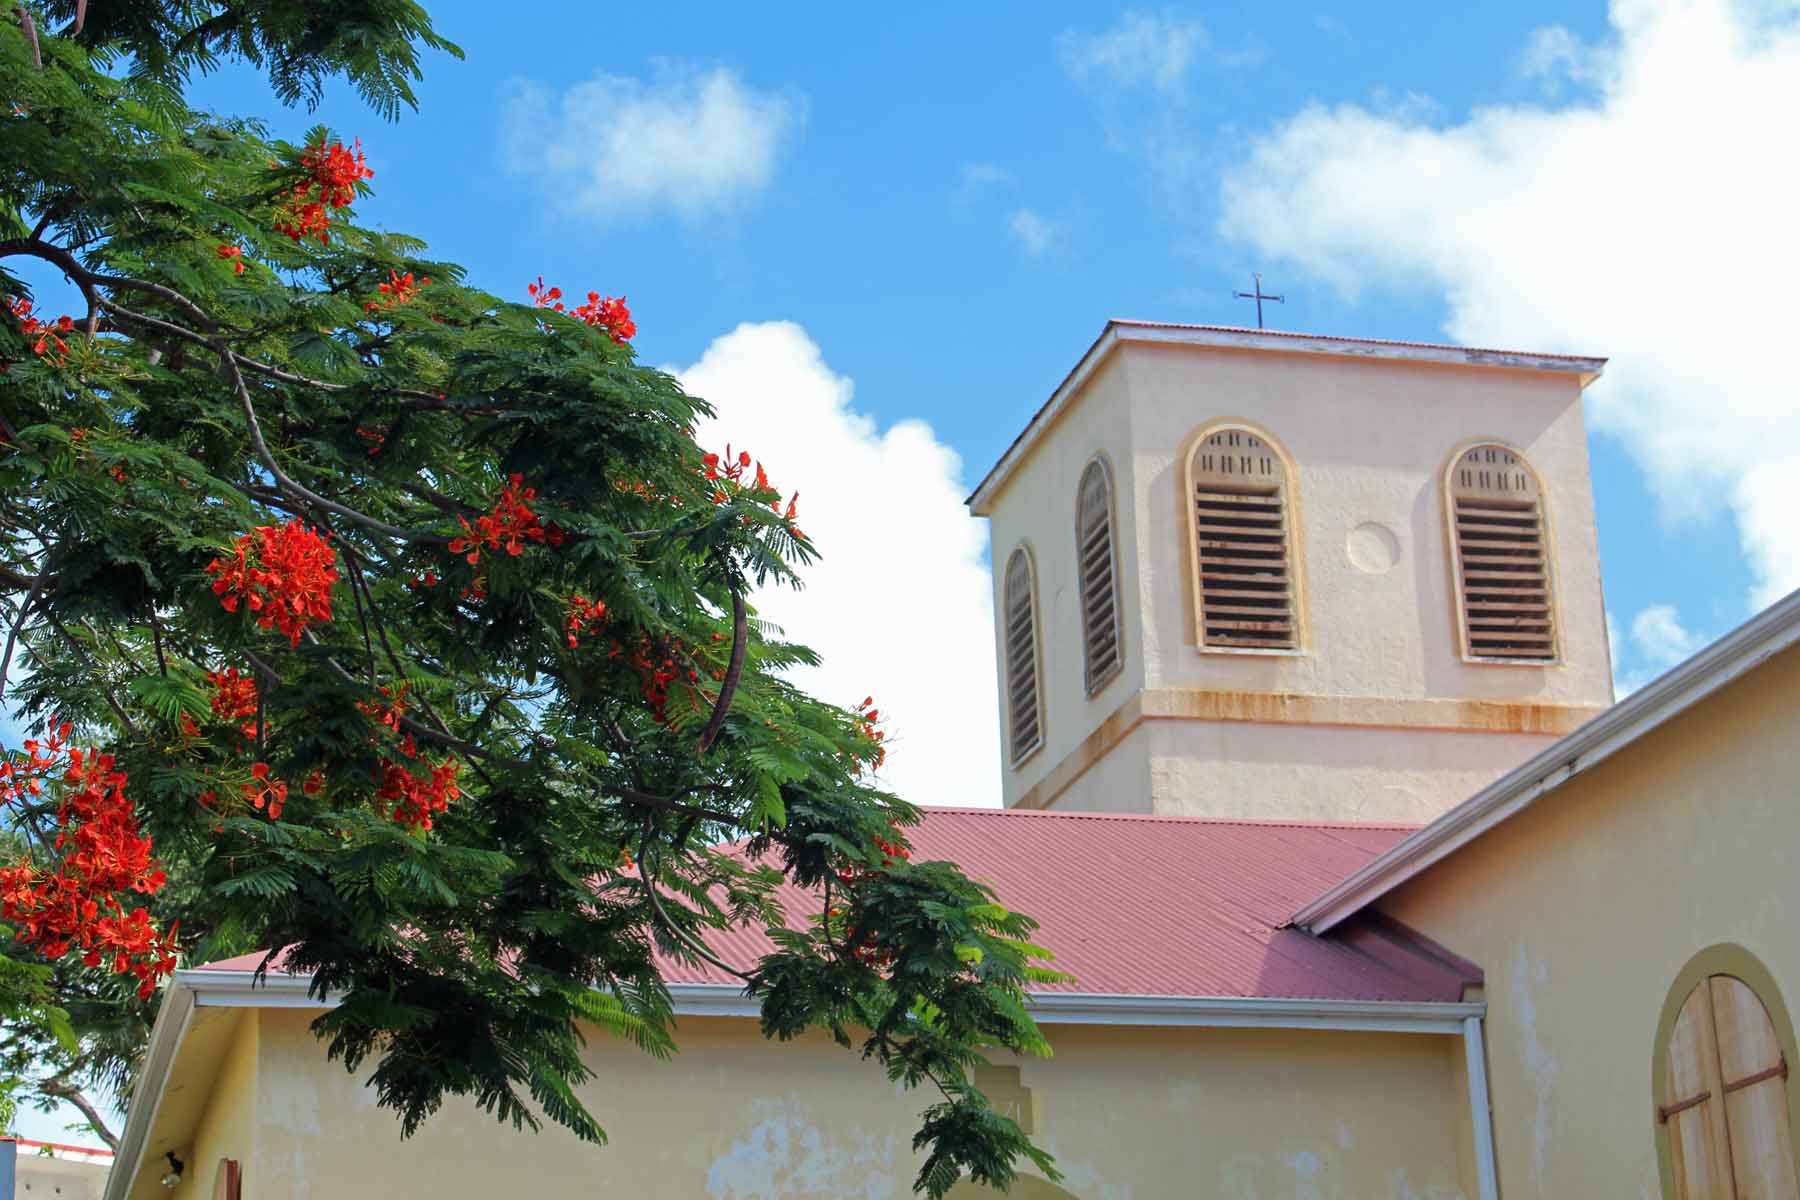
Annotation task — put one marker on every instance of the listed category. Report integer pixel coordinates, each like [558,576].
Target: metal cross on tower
[1259,296]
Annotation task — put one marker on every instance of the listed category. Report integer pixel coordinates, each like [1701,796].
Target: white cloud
[977,178]
[1651,220]
[1142,50]
[614,148]
[899,605]
[1554,56]
[1036,234]
[1659,636]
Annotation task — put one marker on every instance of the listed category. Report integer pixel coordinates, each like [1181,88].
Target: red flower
[234,255]
[583,612]
[235,698]
[287,580]
[609,314]
[333,172]
[544,297]
[49,344]
[413,799]
[399,289]
[263,791]
[511,525]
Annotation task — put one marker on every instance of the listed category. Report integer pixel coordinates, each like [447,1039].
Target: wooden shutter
[1693,1106]
[1725,1098]
[1099,582]
[1021,656]
[1502,560]
[1754,1074]
[1239,488]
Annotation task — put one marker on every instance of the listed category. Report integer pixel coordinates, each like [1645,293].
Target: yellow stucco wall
[1130,1113]
[1583,909]
[229,1127]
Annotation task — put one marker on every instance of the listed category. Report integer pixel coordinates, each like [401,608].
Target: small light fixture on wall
[172,1180]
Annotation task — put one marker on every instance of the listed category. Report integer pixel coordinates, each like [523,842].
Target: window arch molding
[1022,654]
[1282,472]
[1728,959]
[1098,591]
[1473,647]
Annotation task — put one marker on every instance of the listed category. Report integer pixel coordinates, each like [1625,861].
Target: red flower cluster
[583,612]
[511,525]
[731,470]
[386,715]
[49,344]
[609,314]
[76,904]
[334,172]
[412,798]
[399,289]
[288,579]
[235,698]
[867,716]
[233,255]
[862,942]
[656,669]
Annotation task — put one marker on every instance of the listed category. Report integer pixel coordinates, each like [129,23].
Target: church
[1314,778]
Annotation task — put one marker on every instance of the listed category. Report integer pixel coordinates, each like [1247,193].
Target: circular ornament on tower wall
[1373,548]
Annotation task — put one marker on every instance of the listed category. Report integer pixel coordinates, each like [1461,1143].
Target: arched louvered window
[1241,498]
[1096,560]
[1502,556]
[1025,730]
[1725,1098]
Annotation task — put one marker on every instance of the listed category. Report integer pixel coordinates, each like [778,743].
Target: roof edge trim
[1762,637]
[239,989]
[166,1036]
[1222,337]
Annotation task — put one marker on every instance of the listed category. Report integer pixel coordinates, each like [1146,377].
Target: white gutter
[1739,652]
[239,989]
[1487,1178]
[1252,1012]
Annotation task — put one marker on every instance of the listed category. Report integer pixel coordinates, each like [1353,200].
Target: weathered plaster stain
[785,1155]
[1540,1065]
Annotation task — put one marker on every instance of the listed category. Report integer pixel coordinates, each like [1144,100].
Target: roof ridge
[1349,337]
[1168,818]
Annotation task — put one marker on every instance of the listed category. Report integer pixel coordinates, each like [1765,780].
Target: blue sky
[949,203]
[878,239]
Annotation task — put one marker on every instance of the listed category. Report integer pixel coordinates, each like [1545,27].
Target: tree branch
[694,946]
[287,483]
[740,636]
[58,1086]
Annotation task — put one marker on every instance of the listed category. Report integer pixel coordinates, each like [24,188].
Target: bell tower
[1268,575]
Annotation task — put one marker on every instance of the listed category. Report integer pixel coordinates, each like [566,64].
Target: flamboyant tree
[361,613]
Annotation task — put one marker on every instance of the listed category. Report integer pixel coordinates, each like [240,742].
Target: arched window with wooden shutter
[1725,1098]
[1097,561]
[1025,732]
[1500,551]
[1240,509]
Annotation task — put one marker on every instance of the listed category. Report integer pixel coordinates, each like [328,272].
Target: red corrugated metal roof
[1156,906]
